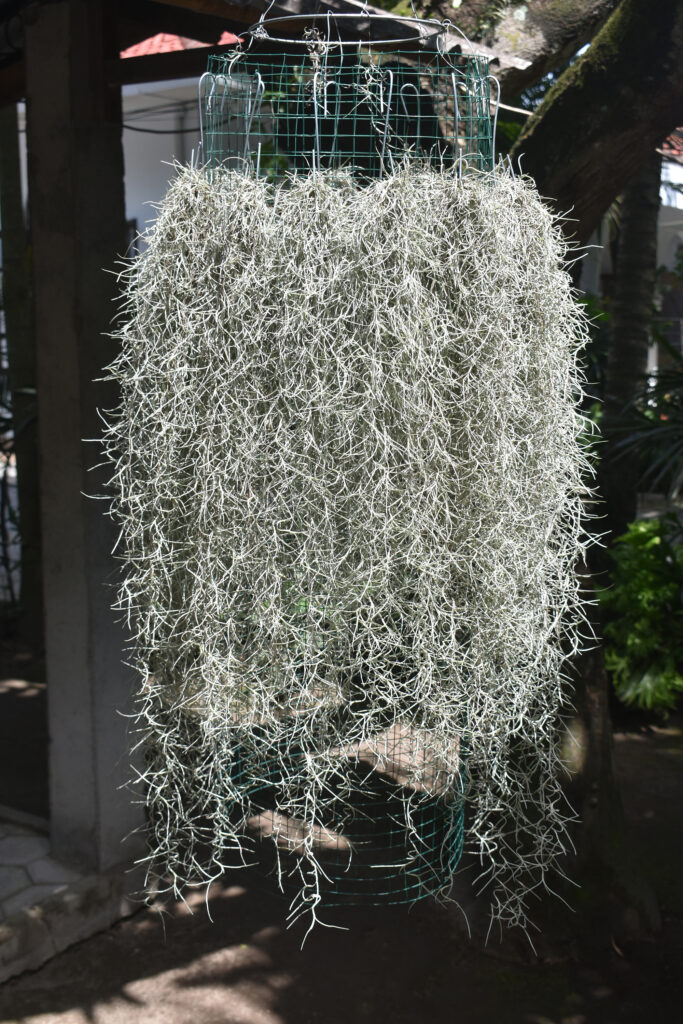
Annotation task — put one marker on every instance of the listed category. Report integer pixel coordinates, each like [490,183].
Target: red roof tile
[672,148]
[675,141]
[164,42]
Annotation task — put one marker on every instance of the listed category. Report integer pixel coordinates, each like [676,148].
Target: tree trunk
[607,112]
[22,375]
[632,309]
[626,93]
[615,896]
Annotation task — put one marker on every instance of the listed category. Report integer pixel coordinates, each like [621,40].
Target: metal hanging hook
[202,101]
[456,113]
[412,85]
[316,124]
[390,75]
[254,101]
[492,78]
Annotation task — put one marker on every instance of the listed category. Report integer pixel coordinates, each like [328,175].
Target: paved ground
[27,872]
[392,967]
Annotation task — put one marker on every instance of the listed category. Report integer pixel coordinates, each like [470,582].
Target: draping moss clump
[349,488]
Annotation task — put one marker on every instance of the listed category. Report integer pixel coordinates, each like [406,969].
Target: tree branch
[607,112]
[529,40]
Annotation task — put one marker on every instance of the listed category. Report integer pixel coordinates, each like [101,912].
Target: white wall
[160,125]
[672,174]
[166,112]
[670,236]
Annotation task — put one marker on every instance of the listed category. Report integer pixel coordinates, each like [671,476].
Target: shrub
[644,614]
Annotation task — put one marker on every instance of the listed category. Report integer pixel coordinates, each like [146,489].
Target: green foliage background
[644,614]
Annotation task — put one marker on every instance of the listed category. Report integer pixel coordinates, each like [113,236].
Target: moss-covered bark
[607,112]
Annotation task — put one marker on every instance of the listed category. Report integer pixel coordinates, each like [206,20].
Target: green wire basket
[279,107]
[380,837]
[276,107]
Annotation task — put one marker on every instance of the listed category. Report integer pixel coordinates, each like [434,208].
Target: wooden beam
[249,13]
[228,11]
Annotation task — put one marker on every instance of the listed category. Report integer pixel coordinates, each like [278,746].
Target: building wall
[160,126]
[670,255]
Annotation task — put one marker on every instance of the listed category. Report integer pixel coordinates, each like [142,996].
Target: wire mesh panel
[390,829]
[276,113]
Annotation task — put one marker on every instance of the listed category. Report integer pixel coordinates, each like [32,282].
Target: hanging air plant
[350,488]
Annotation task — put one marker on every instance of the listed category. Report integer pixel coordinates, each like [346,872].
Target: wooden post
[77,230]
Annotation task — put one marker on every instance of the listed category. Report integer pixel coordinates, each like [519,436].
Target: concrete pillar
[77,231]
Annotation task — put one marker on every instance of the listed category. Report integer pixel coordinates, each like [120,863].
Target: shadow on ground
[393,966]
